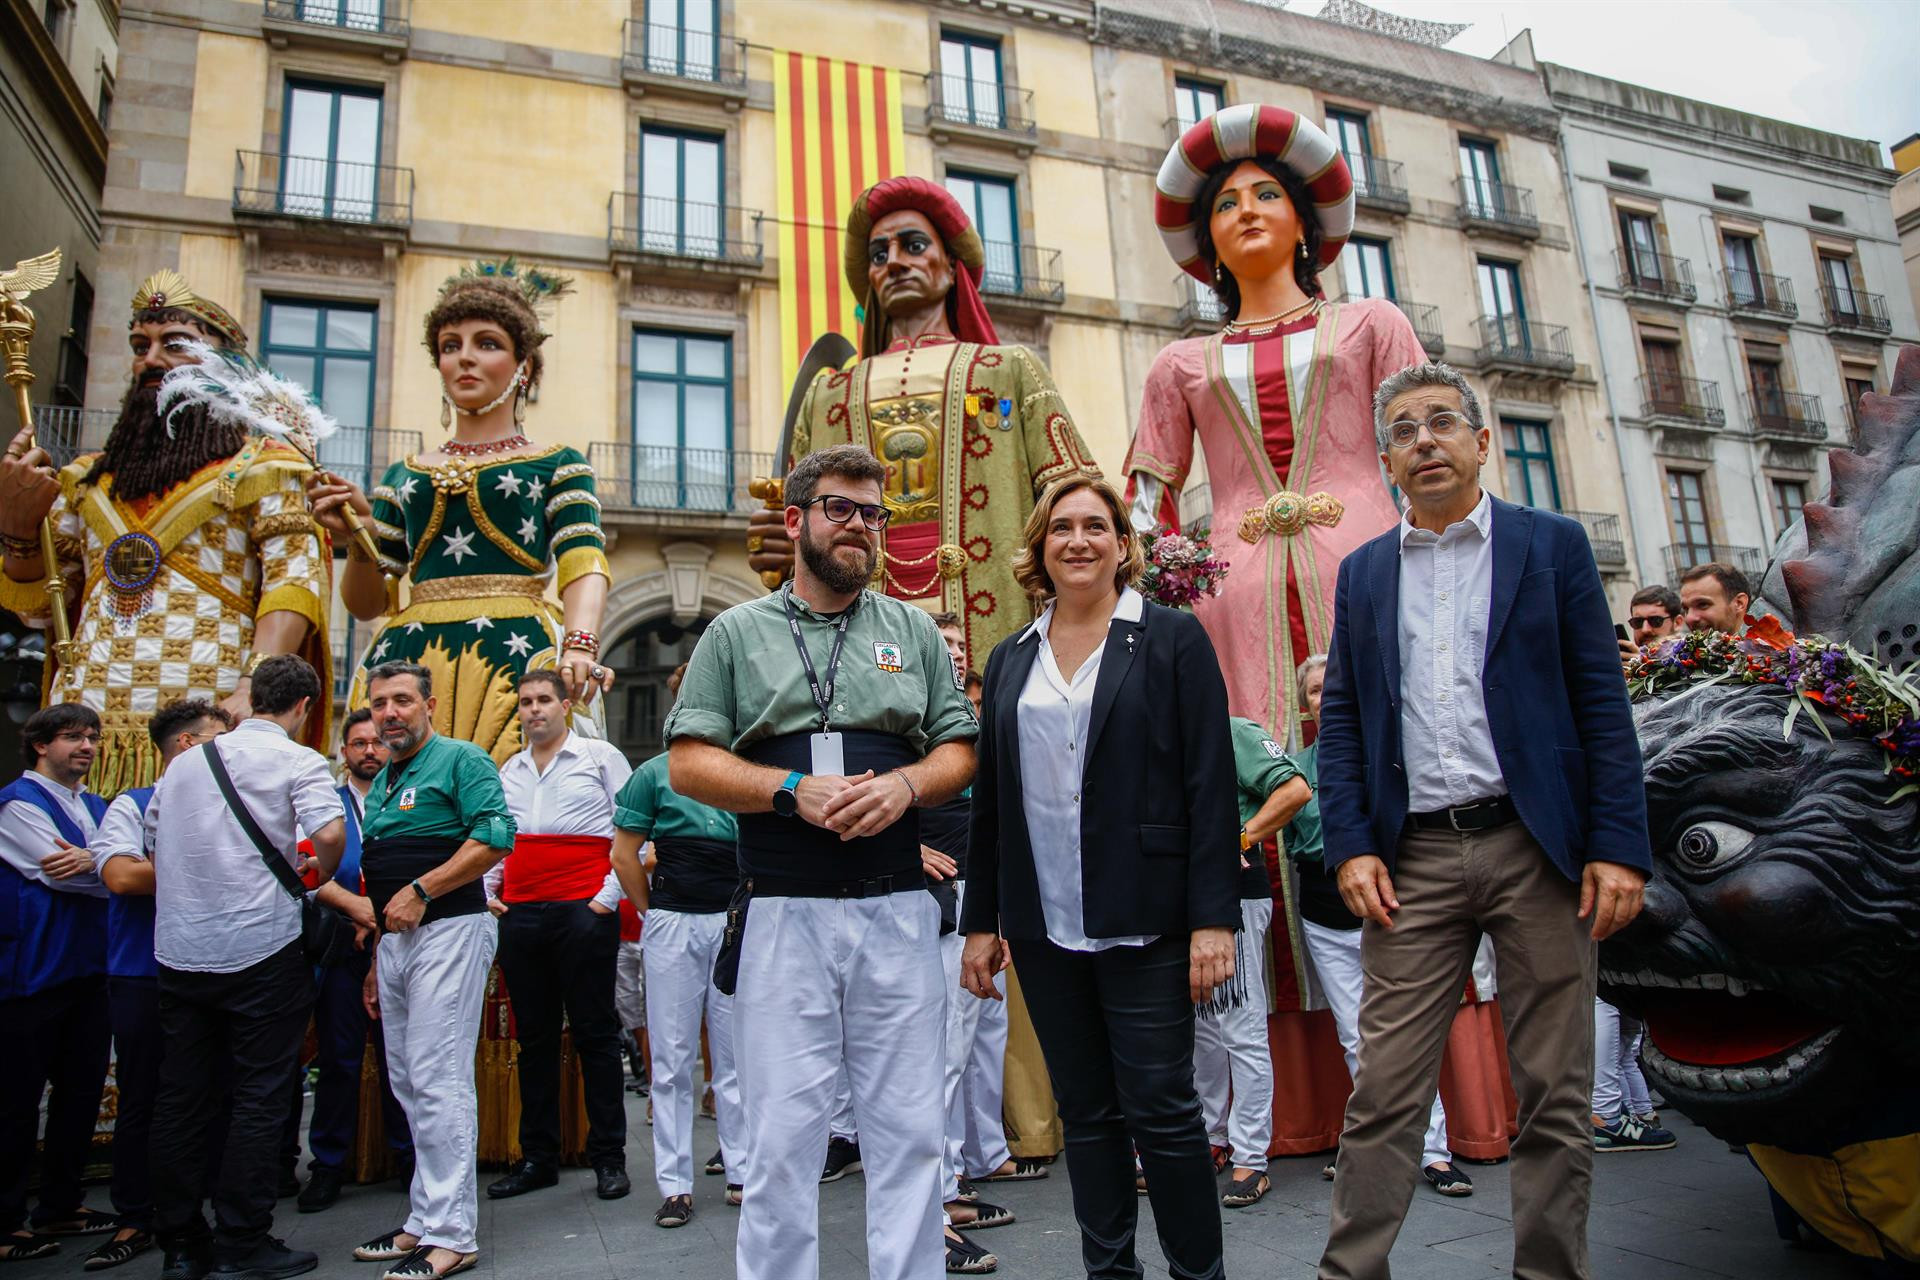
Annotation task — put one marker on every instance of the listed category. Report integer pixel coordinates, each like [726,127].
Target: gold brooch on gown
[1287,513]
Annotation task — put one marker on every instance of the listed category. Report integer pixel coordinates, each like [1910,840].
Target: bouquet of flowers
[1181,569]
[1875,700]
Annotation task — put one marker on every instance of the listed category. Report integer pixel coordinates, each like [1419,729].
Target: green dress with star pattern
[478,541]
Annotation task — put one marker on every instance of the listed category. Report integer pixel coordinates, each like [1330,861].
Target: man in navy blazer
[1479,773]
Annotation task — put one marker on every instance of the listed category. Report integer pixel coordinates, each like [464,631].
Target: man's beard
[834,574]
[144,460]
[367,770]
[402,741]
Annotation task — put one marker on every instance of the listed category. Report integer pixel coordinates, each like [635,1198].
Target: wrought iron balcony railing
[1425,319]
[1785,415]
[1200,306]
[1683,556]
[1660,275]
[1693,400]
[654,50]
[664,477]
[1604,536]
[66,432]
[1758,293]
[1526,344]
[979,104]
[665,227]
[359,17]
[337,191]
[1023,271]
[1379,183]
[1498,206]
[1856,309]
[363,454]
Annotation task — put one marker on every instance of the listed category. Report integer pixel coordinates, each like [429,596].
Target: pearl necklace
[1310,307]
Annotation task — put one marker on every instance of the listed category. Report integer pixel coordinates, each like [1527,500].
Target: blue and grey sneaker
[1624,1133]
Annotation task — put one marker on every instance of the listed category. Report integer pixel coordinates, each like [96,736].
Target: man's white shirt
[574,797]
[217,907]
[123,833]
[27,835]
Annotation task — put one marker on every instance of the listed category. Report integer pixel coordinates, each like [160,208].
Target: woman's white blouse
[1053,717]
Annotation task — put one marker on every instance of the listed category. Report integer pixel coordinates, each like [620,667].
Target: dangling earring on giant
[446,410]
[520,407]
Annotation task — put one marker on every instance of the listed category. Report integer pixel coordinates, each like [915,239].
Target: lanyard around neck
[822,690]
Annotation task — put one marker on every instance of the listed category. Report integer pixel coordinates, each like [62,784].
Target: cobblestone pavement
[1694,1212]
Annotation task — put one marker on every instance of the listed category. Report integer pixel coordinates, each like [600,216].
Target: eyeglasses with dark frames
[840,510]
[1641,624]
[1403,433]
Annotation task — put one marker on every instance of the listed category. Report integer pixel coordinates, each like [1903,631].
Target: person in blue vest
[53,981]
[339,1015]
[123,858]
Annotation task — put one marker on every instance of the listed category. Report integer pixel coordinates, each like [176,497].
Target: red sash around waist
[555,868]
[629,922]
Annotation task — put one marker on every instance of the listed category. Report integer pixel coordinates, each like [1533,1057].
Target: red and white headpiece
[1246,132]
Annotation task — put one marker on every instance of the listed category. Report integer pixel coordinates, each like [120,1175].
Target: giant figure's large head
[909,243]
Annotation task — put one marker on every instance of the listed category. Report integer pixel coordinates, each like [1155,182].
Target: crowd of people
[928,885]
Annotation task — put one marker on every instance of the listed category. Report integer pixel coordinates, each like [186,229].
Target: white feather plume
[237,391]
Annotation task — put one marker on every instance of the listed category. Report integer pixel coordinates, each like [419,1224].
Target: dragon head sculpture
[1777,962]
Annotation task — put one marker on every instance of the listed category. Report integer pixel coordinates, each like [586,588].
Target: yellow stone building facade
[321,166]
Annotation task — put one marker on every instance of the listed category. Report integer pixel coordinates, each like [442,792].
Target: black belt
[1481,815]
[871,887]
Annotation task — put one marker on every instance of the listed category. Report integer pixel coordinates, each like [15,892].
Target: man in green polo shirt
[826,715]
[695,871]
[436,820]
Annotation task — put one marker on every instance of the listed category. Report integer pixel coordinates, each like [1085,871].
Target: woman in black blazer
[1103,853]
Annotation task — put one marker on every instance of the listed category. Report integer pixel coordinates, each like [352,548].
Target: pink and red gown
[1286,422]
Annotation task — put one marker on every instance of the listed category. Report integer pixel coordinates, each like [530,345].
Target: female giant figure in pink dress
[1256,201]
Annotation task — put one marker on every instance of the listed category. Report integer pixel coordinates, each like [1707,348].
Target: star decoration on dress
[529,531]
[509,483]
[536,487]
[482,623]
[380,651]
[413,628]
[406,490]
[518,645]
[460,545]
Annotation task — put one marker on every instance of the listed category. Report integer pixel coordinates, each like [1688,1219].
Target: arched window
[638,705]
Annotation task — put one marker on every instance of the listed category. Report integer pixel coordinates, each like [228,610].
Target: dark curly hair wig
[494,301]
[1305,270]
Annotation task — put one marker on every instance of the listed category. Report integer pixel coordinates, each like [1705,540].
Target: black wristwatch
[786,801]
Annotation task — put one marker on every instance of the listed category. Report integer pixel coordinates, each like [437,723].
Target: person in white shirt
[123,856]
[234,979]
[53,985]
[556,897]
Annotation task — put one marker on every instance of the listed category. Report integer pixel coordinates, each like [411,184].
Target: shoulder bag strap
[275,860]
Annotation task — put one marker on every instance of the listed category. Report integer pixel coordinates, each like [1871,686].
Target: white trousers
[842,1125]
[680,950]
[1231,1057]
[433,981]
[825,981]
[630,987]
[1336,957]
[1617,1082]
[975,1071]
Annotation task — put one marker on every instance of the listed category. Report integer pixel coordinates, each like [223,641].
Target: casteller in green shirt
[696,861]
[421,810]
[1260,768]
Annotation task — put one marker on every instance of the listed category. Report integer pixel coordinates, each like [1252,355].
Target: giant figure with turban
[186,541]
[1255,202]
[971,431]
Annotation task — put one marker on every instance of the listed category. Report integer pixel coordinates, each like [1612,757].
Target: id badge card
[829,755]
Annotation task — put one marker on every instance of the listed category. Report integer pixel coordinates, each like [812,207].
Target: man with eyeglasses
[1654,616]
[826,715]
[1478,775]
[53,980]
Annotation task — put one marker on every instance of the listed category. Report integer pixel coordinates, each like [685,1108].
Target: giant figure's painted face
[1777,963]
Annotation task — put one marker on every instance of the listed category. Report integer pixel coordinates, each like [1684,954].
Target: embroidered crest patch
[887,656]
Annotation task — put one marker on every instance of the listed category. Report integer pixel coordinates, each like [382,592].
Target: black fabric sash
[693,874]
[795,849]
[391,864]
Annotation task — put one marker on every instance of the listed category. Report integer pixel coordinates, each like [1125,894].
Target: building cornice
[21,29]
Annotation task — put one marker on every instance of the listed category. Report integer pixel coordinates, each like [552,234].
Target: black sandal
[1023,1171]
[28,1246]
[965,1258]
[418,1265]
[1448,1182]
[86,1222]
[385,1248]
[985,1216]
[1247,1189]
[115,1252]
[674,1211]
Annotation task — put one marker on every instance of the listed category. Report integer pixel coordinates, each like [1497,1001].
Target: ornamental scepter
[16,338]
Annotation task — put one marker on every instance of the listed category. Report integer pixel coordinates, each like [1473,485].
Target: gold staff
[16,337]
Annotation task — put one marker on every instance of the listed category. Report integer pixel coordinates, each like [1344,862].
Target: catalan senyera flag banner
[839,132]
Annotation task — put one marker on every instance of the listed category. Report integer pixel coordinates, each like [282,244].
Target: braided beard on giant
[146,461]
